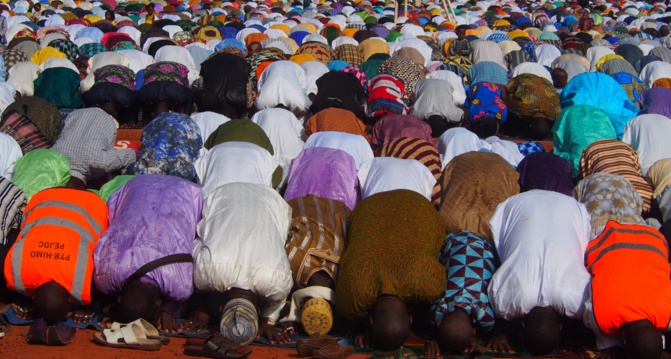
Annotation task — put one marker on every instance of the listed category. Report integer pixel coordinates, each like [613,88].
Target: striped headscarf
[618,158]
[421,150]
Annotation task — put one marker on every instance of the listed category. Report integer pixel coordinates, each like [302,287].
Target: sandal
[306,346]
[60,334]
[149,330]
[218,346]
[333,351]
[37,334]
[27,310]
[130,336]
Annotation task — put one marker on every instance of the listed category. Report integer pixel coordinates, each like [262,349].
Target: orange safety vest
[630,276]
[60,230]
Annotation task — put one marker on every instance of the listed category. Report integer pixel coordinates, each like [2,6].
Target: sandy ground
[13,345]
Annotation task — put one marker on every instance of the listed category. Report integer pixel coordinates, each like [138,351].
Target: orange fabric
[262,66]
[256,37]
[50,251]
[629,284]
[335,119]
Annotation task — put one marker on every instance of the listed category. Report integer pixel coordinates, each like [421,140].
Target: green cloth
[60,86]
[578,127]
[372,65]
[394,238]
[41,169]
[393,36]
[244,130]
[112,186]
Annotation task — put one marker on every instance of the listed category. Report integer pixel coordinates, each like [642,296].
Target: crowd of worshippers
[341,168]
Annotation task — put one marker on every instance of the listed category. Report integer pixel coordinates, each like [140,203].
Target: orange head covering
[301,58]
[255,37]
[262,66]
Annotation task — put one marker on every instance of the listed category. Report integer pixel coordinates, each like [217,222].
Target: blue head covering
[337,65]
[298,36]
[231,43]
[527,148]
[170,145]
[487,71]
[228,32]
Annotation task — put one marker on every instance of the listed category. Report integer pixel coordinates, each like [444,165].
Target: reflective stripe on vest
[71,207]
[616,246]
[85,238]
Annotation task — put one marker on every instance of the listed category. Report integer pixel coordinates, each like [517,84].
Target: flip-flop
[60,334]
[219,347]
[130,336]
[37,334]
[149,330]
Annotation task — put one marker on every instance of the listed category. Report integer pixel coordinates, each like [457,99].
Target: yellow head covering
[373,46]
[350,32]
[301,58]
[282,27]
[606,58]
[45,54]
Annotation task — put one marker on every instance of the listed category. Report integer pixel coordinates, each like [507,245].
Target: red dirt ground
[13,345]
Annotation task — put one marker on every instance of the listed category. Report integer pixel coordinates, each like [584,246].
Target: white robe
[284,131]
[540,237]
[355,145]
[649,136]
[10,151]
[385,174]
[283,83]
[234,161]
[240,244]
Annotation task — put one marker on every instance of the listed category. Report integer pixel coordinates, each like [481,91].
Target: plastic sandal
[130,336]
[149,330]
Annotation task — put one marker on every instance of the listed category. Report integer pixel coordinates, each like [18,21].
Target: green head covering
[41,169]
[112,186]
[371,20]
[244,130]
[393,36]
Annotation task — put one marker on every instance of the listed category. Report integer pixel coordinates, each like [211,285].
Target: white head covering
[595,53]
[313,71]
[342,40]
[137,60]
[534,69]
[384,174]
[655,71]
[506,149]
[134,33]
[434,97]
[355,145]
[58,62]
[180,55]
[284,131]
[457,141]
[101,60]
[459,94]
[418,45]
[235,161]
[649,136]
[10,151]
[547,53]
[283,83]
[22,75]
[208,122]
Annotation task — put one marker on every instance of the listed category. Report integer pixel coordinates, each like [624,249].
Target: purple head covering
[656,100]
[326,173]
[380,30]
[546,171]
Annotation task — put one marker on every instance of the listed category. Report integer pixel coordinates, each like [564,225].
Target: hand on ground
[499,343]
[80,316]
[363,340]
[431,348]
[197,321]
[272,334]
[167,323]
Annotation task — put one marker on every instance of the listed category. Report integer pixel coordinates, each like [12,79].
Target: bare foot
[23,312]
